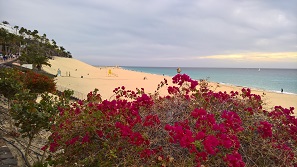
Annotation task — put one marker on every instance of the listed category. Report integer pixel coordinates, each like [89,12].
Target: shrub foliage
[191,126]
[22,90]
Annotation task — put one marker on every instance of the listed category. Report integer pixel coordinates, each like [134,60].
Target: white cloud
[160,30]
[255,57]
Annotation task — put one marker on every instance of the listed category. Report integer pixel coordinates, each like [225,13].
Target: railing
[76,94]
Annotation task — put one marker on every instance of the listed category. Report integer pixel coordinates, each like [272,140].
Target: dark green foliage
[36,55]
[10,82]
[5,22]
[31,117]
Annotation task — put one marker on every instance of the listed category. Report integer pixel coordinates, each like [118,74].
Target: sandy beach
[83,78]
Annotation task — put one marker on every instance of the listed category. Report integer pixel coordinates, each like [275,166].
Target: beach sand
[84,78]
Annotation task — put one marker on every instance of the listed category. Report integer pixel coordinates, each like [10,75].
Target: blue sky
[196,33]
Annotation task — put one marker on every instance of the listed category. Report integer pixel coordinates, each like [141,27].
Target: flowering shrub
[38,83]
[10,82]
[30,116]
[191,126]
[13,81]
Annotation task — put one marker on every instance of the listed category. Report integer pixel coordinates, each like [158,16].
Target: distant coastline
[268,79]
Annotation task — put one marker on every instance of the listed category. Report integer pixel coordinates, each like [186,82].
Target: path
[6,157]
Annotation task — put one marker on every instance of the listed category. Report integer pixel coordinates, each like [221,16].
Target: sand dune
[83,78]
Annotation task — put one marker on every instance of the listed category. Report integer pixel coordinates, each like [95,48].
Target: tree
[10,85]
[16,29]
[35,55]
[62,48]
[54,43]
[3,35]
[69,55]
[30,44]
[43,38]
[5,22]
[41,60]
[10,82]
[29,33]
[8,40]
[38,83]
[31,116]
[22,31]
[35,34]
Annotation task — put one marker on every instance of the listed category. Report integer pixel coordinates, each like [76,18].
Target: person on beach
[282,90]
[178,70]
[59,72]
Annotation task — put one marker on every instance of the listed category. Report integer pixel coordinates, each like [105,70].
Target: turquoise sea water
[264,79]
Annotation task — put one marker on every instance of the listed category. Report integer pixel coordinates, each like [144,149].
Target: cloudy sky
[196,33]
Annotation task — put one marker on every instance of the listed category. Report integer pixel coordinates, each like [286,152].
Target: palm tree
[35,55]
[29,33]
[5,22]
[3,34]
[8,40]
[43,38]
[69,55]
[3,38]
[54,42]
[40,60]
[16,29]
[62,48]
[22,31]
[13,42]
[35,34]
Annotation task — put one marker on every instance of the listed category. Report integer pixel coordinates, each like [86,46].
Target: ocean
[264,79]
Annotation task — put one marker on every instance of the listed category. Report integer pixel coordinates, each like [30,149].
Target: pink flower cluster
[134,138]
[265,129]
[151,120]
[180,79]
[208,137]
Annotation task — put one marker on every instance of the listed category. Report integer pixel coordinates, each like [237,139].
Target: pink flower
[146,153]
[232,121]
[210,143]
[200,135]
[265,129]
[44,148]
[151,120]
[167,127]
[194,84]
[137,139]
[53,147]
[86,138]
[187,139]
[99,133]
[198,113]
[124,130]
[234,160]
[72,141]
[173,89]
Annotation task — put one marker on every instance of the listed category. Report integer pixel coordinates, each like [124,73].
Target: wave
[257,89]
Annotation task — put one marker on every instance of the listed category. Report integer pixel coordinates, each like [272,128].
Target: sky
[166,33]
